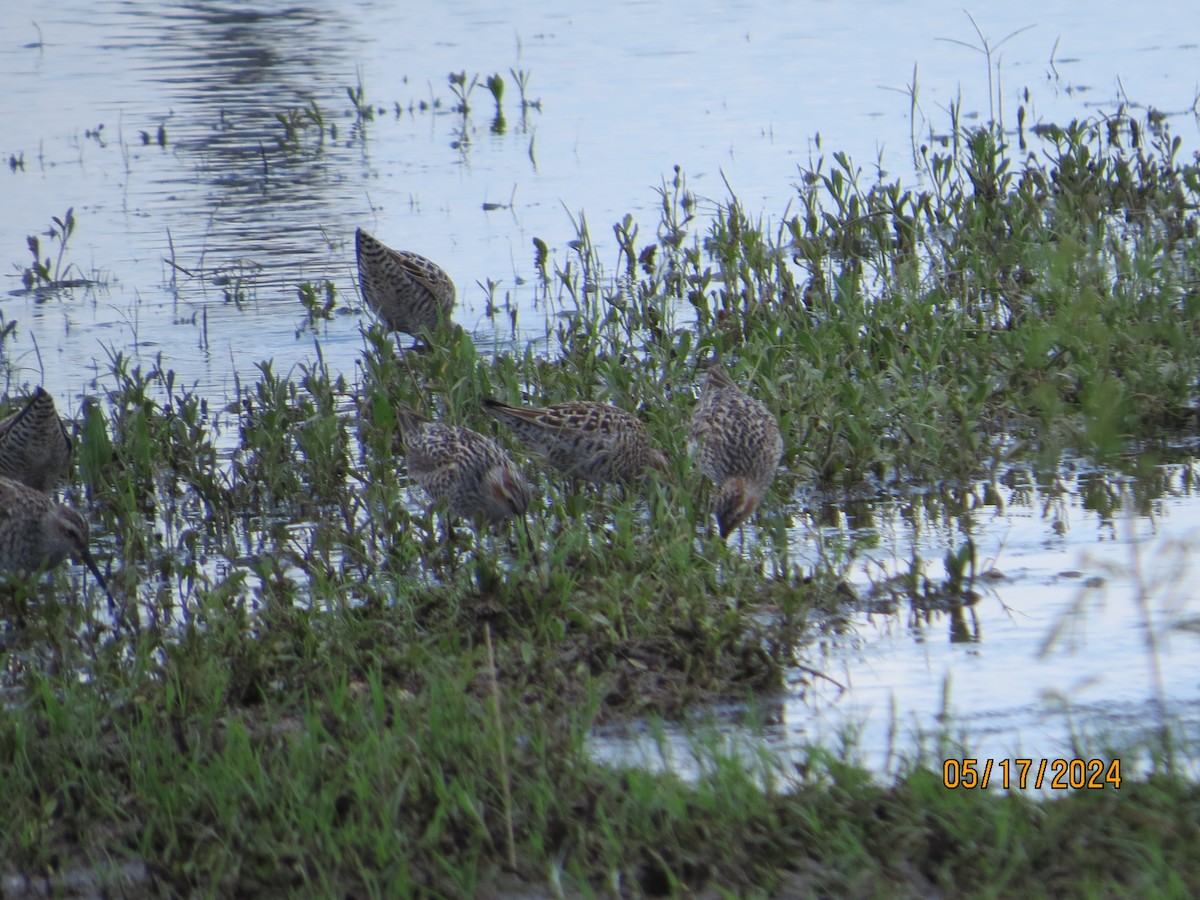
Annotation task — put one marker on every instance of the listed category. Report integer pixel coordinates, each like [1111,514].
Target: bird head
[735,502]
[506,493]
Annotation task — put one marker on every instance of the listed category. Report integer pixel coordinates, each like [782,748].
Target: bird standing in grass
[468,472]
[586,440]
[736,442]
[34,446]
[406,290]
[36,533]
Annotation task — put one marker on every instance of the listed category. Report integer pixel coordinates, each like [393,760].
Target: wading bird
[37,534]
[34,446]
[465,471]
[406,290]
[737,444]
[585,440]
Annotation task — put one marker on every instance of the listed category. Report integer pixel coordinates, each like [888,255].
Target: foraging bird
[468,472]
[588,441]
[37,533]
[406,290]
[34,446]
[737,443]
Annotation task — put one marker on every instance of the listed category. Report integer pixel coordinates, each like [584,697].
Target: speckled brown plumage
[34,446]
[407,291]
[468,472]
[37,533]
[588,441]
[736,443]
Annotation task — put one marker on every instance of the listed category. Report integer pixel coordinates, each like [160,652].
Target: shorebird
[737,444]
[469,473]
[407,291]
[37,534]
[586,440]
[34,446]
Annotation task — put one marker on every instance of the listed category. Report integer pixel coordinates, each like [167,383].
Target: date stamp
[1057,774]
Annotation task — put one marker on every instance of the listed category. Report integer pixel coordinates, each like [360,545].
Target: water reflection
[245,87]
[1008,601]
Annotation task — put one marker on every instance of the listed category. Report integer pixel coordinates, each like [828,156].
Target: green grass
[305,700]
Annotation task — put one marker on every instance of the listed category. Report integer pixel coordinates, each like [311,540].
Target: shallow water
[626,92]
[1053,655]
[198,246]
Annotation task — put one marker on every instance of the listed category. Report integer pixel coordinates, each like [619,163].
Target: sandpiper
[468,472]
[37,534]
[737,444]
[405,289]
[34,446]
[586,440]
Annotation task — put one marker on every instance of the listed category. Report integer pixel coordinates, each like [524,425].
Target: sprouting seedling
[960,568]
[315,306]
[315,114]
[489,288]
[462,90]
[290,121]
[495,84]
[541,256]
[66,227]
[295,121]
[521,77]
[40,271]
[357,95]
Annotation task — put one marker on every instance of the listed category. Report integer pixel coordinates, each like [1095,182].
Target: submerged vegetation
[308,689]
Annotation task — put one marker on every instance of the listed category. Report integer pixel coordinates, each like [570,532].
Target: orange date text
[1057,774]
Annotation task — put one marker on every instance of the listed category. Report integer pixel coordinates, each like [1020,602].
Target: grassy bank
[303,688]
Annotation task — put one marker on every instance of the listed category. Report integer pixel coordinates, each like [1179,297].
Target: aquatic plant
[495,84]
[521,77]
[159,137]
[316,308]
[40,273]
[461,88]
[298,121]
[364,110]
